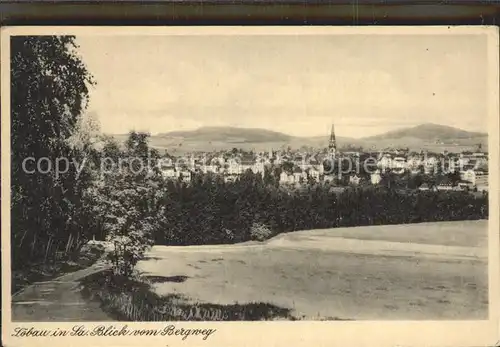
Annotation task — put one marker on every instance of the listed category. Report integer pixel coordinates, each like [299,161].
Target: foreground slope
[417,271]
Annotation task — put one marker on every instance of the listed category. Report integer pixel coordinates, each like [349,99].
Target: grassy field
[417,271]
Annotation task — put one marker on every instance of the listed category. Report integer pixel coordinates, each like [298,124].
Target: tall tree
[130,202]
[49,93]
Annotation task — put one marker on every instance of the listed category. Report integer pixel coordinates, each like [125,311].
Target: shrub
[127,251]
[260,232]
[92,250]
[228,235]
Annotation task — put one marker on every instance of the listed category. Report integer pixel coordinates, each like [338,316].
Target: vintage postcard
[244,186]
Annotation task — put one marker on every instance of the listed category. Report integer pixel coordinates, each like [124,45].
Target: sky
[295,84]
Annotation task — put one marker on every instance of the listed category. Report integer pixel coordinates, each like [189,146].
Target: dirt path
[58,300]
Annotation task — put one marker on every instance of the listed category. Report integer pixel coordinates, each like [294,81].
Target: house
[354,180]
[185,162]
[313,161]
[210,168]
[320,168]
[468,175]
[169,172]
[414,162]
[283,177]
[302,162]
[430,164]
[462,162]
[352,154]
[453,164]
[247,161]
[399,163]
[230,178]
[423,186]
[277,159]
[481,180]
[427,187]
[299,176]
[313,173]
[400,151]
[286,178]
[398,171]
[258,167]
[480,155]
[214,160]
[233,167]
[376,177]
[465,185]
[328,178]
[445,183]
[385,162]
[481,164]
[444,186]
[185,175]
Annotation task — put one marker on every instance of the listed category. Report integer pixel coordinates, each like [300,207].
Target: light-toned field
[416,271]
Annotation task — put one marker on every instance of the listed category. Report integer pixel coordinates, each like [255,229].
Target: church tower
[332,145]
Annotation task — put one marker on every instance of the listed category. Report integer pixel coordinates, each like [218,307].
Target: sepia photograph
[264,175]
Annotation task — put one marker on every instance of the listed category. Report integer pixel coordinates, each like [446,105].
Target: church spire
[332,145]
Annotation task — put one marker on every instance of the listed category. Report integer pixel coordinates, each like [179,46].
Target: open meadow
[414,271]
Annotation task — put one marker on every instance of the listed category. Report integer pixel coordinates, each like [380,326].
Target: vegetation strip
[133,300]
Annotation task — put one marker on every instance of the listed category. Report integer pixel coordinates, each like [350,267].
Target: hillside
[224,138]
[431,132]
[227,134]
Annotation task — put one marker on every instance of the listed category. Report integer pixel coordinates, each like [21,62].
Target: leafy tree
[269,176]
[130,204]
[415,181]
[454,177]
[287,167]
[49,93]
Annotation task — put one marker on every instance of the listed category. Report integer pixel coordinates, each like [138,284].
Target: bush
[127,251]
[92,249]
[260,232]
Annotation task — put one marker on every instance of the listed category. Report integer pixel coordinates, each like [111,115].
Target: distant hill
[432,137]
[429,131]
[222,138]
[227,134]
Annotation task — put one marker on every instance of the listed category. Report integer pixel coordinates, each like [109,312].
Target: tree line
[211,211]
[49,90]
